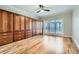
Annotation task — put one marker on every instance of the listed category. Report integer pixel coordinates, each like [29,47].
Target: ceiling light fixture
[42,11]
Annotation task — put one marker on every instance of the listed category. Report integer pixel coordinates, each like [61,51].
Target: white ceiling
[54,9]
[30,10]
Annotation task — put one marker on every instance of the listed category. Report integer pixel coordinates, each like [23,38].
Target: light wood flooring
[41,44]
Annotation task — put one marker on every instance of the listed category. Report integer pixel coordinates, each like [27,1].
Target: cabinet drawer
[17,33]
[17,38]
[6,40]
[6,34]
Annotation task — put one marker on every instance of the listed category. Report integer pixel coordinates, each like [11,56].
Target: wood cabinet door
[30,24]
[6,21]
[10,22]
[34,27]
[22,26]
[29,32]
[39,27]
[26,27]
[22,22]
[17,23]
[0,21]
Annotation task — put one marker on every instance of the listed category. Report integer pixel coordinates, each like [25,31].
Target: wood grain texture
[40,45]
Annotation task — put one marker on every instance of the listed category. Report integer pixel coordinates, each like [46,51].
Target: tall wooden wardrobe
[28,27]
[18,27]
[15,27]
[6,27]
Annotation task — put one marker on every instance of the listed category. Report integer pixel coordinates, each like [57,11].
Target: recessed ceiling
[54,9]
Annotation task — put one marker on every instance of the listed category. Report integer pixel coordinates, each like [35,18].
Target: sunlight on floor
[53,44]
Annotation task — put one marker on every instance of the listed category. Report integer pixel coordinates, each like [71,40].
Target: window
[54,26]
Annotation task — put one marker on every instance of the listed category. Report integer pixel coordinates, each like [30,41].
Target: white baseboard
[58,35]
[77,45]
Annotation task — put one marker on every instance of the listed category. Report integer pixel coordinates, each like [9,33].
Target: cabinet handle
[4,34]
[5,41]
[19,32]
[19,38]
[5,37]
[19,35]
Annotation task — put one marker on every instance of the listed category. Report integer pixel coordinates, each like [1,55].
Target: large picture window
[54,26]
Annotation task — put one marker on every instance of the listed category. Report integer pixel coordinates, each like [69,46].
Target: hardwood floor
[41,44]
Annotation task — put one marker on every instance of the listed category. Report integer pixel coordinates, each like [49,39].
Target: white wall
[16,10]
[76,26]
[67,18]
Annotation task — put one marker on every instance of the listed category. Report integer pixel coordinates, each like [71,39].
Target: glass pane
[54,26]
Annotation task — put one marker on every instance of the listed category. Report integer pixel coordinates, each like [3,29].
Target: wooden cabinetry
[17,35]
[6,38]
[22,22]
[29,32]
[17,22]
[6,27]
[18,27]
[6,21]
[22,26]
[17,31]
[34,27]
[15,27]
[39,27]
[28,28]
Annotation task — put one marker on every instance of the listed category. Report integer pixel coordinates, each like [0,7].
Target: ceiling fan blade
[41,6]
[38,11]
[46,10]
[42,9]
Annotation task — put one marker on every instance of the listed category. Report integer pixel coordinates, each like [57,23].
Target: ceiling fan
[42,9]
